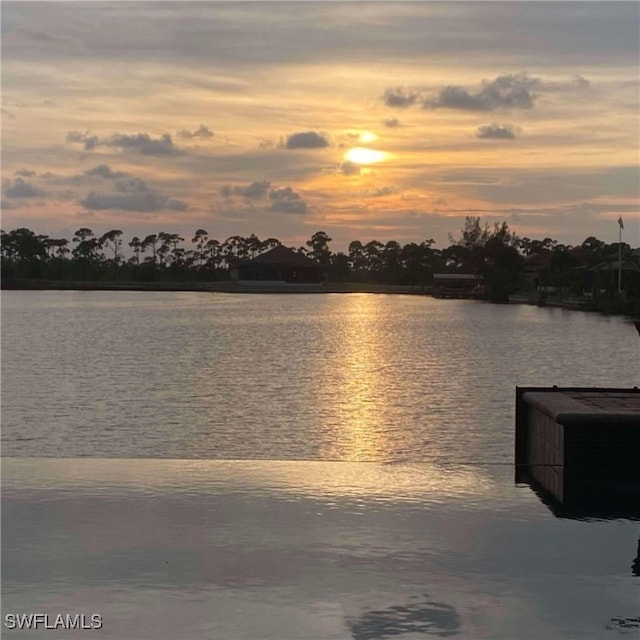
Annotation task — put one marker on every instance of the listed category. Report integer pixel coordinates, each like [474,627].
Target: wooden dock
[579,445]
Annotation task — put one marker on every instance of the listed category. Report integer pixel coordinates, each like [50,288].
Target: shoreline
[224,286]
[227,286]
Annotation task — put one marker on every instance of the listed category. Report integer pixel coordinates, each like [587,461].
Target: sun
[367,136]
[362,155]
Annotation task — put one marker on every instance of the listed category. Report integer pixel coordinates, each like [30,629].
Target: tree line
[496,253]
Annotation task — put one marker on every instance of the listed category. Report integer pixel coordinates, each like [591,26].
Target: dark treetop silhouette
[508,263]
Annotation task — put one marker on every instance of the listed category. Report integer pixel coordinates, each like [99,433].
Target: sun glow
[362,155]
[367,136]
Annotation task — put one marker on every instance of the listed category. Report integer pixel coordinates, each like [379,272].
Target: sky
[366,120]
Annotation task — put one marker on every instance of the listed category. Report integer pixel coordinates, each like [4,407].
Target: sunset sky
[368,120]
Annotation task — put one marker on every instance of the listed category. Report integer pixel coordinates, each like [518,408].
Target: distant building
[458,285]
[278,266]
[604,276]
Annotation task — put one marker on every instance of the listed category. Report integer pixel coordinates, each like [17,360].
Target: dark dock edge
[579,453]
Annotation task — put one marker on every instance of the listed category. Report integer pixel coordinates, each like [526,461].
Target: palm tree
[200,240]
[169,242]
[136,245]
[150,241]
[234,248]
[112,240]
[212,251]
[85,254]
[58,249]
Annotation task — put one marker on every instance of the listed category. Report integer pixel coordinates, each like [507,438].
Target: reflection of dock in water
[578,449]
[601,510]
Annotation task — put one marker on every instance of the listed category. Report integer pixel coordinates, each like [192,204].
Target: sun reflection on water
[358,423]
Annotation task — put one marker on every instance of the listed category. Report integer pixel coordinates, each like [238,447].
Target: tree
[4,244]
[59,247]
[151,241]
[373,257]
[357,258]
[501,233]
[492,254]
[112,240]
[213,253]
[530,247]
[392,261]
[136,245]
[178,257]
[472,234]
[26,250]
[200,239]
[559,270]
[431,260]
[59,250]
[339,270]
[455,257]
[270,243]
[177,253]
[253,245]
[162,253]
[234,248]
[502,267]
[87,245]
[418,261]
[85,253]
[319,245]
[168,245]
[592,252]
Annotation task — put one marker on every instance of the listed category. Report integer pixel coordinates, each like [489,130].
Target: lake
[309,377]
[197,465]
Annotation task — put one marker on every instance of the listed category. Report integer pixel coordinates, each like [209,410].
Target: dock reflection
[612,506]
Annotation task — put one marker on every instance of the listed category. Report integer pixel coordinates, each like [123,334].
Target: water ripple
[333,377]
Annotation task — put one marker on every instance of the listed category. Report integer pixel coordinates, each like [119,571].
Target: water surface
[319,377]
[291,467]
[266,550]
